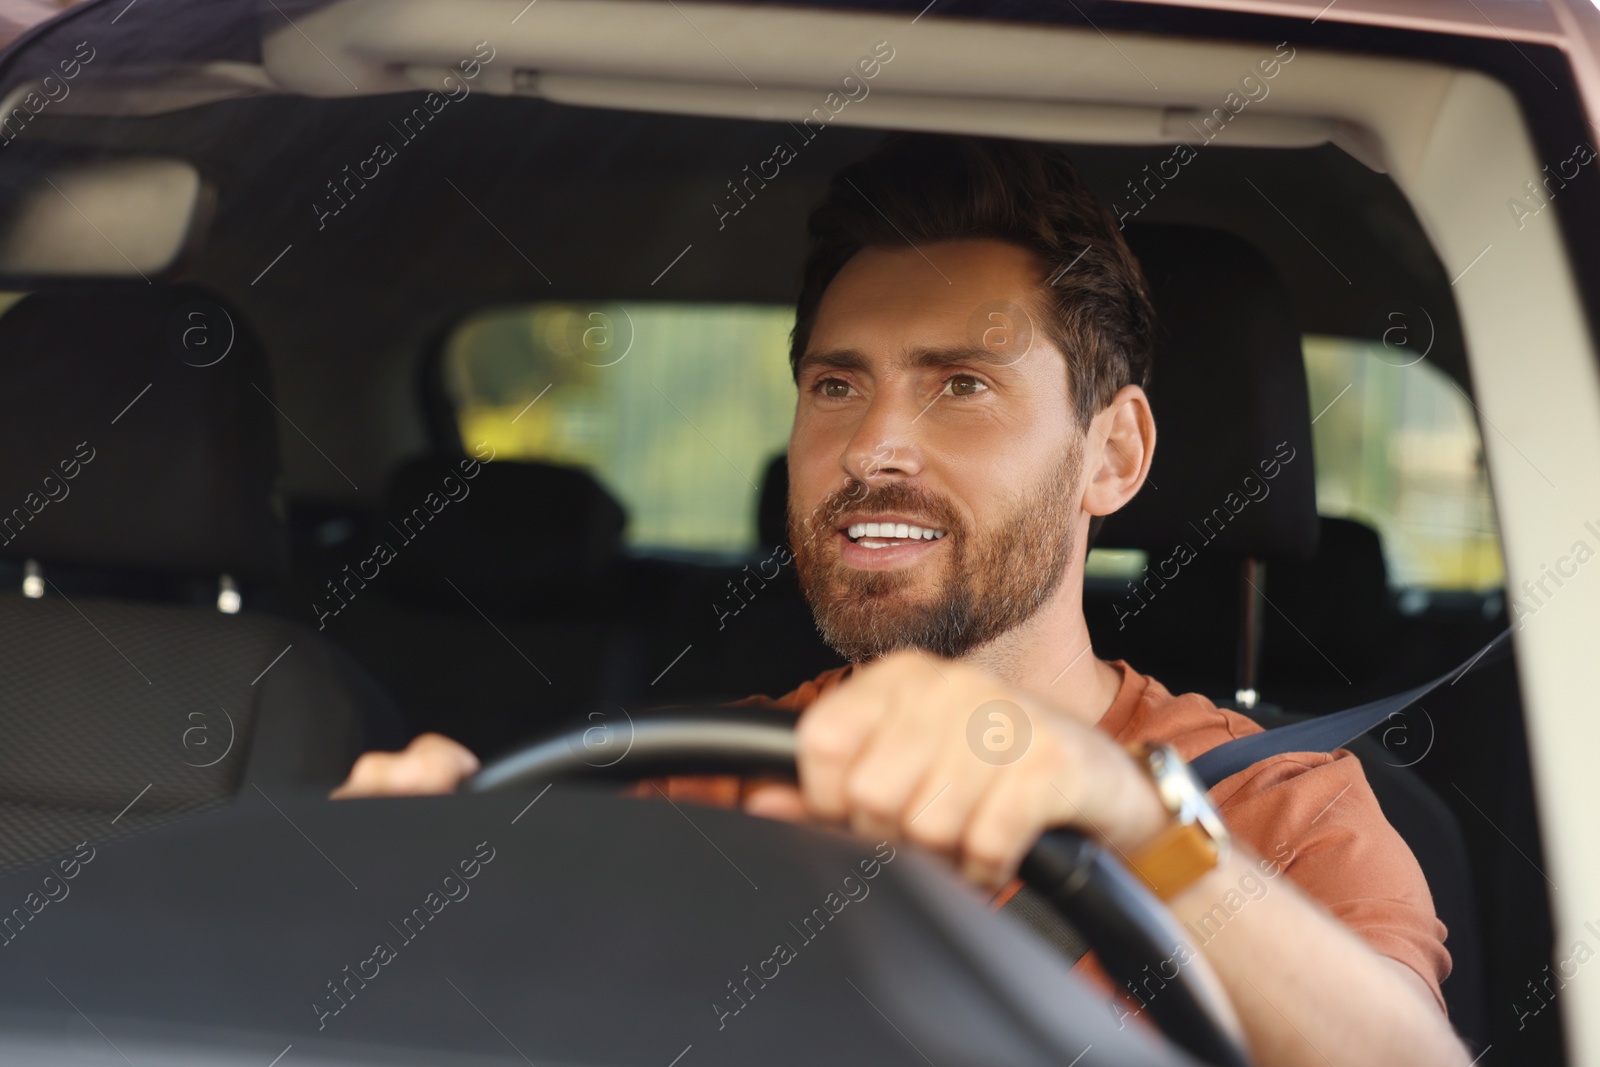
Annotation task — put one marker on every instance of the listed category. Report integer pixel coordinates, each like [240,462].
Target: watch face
[1184,794]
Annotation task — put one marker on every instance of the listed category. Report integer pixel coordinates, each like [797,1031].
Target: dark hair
[917,188]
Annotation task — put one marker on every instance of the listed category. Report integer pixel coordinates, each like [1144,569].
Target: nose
[885,444]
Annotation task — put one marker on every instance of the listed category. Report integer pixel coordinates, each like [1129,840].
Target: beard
[994,579]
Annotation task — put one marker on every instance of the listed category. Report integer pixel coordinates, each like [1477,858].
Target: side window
[1397,447]
[675,408]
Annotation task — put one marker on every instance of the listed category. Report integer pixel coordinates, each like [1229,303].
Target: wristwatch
[1195,842]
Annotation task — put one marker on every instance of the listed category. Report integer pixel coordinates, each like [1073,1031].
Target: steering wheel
[1125,925]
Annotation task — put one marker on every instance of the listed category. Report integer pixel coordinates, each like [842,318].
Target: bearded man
[944,482]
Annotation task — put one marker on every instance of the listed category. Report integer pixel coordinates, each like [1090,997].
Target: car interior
[298,361]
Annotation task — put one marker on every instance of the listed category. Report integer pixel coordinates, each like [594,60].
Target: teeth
[900,531]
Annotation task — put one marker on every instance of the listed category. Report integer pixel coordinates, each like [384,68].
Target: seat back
[759,634]
[138,435]
[1233,472]
[141,451]
[492,596]
[1233,485]
[1233,482]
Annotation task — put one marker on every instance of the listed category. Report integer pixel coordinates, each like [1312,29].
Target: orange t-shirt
[1311,813]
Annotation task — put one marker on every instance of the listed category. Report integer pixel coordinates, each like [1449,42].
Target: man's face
[929,398]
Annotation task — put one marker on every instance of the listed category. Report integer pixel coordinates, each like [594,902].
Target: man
[944,476]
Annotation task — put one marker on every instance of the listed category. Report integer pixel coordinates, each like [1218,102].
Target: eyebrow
[921,358]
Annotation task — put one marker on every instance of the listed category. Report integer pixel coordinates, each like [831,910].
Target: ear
[1120,445]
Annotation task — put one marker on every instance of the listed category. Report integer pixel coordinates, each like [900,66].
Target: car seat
[140,510]
[1233,483]
[507,605]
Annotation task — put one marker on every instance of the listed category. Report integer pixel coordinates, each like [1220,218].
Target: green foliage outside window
[677,408]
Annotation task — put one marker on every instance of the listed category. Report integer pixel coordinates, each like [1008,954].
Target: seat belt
[1325,733]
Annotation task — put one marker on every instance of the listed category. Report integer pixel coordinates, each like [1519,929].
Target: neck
[1050,658]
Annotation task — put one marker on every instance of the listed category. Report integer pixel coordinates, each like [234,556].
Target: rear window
[1397,448]
[677,409]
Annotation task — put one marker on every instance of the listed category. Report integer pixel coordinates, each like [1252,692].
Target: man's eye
[963,385]
[836,388]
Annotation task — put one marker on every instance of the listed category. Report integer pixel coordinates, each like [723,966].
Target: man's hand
[946,755]
[432,763]
[892,753]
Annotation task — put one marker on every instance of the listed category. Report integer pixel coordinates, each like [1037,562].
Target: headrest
[499,526]
[1343,612]
[772,507]
[136,434]
[1233,470]
[1345,587]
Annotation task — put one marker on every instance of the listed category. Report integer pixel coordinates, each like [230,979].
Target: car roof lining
[637,54]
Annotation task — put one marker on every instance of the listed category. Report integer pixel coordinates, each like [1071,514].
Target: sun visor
[107,219]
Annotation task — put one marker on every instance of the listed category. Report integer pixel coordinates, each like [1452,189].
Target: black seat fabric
[516,604]
[123,450]
[508,602]
[1234,478]
[772,505]
[110,704]
[134,449]
[1233,471]
[1341,602]
[750,625]
[509,528]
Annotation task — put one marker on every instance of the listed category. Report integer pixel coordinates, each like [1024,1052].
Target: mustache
[856,495]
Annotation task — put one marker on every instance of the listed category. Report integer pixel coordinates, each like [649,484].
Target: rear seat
[515,605]
[1341,603]
[750,627]
[503,601]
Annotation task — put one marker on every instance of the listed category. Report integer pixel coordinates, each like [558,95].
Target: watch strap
[1178,857]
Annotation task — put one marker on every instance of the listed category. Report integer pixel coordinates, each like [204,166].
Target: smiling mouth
[889,534]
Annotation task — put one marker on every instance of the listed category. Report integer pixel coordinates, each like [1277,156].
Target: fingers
[832,733]
[776,801]
[1005,823]
[939,808]
[430,764]
[1072,775]
[948,757]
[893,763]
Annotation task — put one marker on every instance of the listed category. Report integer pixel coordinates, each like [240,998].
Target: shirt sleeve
[1314,817]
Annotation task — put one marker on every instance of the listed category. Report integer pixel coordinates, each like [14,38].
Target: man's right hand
[431,763]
